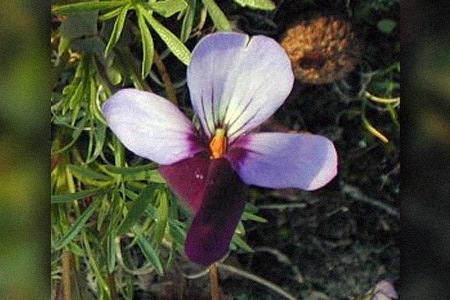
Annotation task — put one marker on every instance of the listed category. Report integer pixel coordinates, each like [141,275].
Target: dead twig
[357,194]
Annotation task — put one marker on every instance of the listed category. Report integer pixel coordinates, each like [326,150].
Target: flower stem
[170,91]
[214,282]
[65,261]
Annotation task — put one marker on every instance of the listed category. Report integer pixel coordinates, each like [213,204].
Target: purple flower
[235,84]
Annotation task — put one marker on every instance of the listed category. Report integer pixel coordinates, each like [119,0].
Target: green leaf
[173,43]
[86,6]
[75,249]
[250,216]
[98,135]
[111,251]
[106,209]
[188,21]
[130,170]
[386,25]
[162,216]
[147,44]
[77,226]
[77,96]
[150,254]
[117,29]
[87,173]
[167,8]
[238,241]
[257,4]
[110,14]
[137,209]
[217,15]
[63,45]
[91,177]
[114,75]
[151,175]
[156,177]
[240,229]
[78,195]
[178,234]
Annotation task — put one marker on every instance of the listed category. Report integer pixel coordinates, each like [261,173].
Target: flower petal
[187,179]
[211,62]
[284,160]
[237,82]
[150,126]
[384,290]
[209,236]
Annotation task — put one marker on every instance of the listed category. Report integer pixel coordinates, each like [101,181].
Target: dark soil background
[339,241]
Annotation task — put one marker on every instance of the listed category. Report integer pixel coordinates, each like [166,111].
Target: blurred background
[25,150]
[425,252]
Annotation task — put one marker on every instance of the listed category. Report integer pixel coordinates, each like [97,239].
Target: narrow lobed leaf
[111,251]
[150,254]
[162,217]
[137,209]
[117,29]
[130,170]
[173,43]
[168,8]
[217,15]
[78,195]
[87,173]
[238,241]
[78,225]
[110,14]
[188,21]
[147,44]
[250,216]
[81,7]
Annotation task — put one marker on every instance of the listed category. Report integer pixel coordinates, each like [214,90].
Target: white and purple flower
[235,84]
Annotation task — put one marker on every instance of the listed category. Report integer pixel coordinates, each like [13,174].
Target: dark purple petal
[237,82]
[150,126]
[187,179]
[213,226]
[284,160]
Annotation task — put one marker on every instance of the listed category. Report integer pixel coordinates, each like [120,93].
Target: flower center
[218,144]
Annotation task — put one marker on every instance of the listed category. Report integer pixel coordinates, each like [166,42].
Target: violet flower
[235,83]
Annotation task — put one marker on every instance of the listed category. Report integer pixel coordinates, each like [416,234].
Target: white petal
[150,126]
[237,82]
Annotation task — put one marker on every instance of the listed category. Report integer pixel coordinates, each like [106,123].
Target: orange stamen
[218,144]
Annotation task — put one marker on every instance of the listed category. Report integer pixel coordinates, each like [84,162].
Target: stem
[65,261]
[112,286]
[170,91]
[214,282]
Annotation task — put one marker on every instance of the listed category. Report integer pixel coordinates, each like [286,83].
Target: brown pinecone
[322,49]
